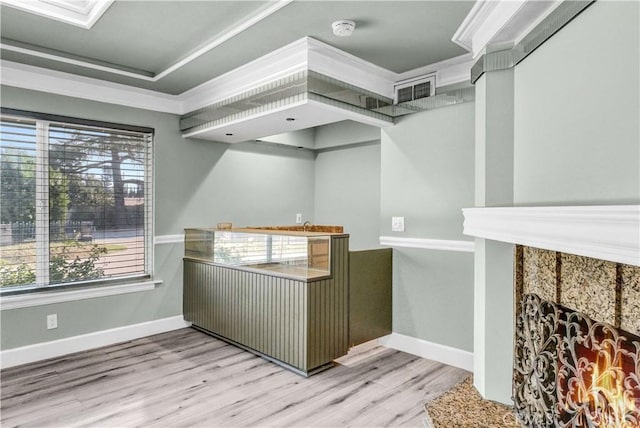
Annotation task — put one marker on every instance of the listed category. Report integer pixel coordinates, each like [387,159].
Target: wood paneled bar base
[300,324]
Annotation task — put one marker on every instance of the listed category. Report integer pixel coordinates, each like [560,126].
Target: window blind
[17,202]
[76,203]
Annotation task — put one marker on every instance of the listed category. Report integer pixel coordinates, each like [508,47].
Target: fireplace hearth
[577,351]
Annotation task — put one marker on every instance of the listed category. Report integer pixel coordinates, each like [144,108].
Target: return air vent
[415,88]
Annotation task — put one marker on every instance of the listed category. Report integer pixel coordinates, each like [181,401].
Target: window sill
[46,298]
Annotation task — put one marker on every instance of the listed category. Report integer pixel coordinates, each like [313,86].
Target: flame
[609,402]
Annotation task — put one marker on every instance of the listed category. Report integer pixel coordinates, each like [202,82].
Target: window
[75,205]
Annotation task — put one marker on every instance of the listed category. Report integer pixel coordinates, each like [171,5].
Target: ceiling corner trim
[65,11]
[71,85]
[227,34]
[98,10]
[284,61]
[72,61]
[472,23]
[341,65]
[448,72]
[334,53]
[502,21]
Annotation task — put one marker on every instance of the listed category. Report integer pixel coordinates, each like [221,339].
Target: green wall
[301,138]
[428,172]
[577,110]
[345,132]
[347,192]
[423,167]
[427,176]
[197,183]
[246,184]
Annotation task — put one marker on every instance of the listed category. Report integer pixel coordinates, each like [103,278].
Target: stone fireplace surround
[604,291]
[585,258]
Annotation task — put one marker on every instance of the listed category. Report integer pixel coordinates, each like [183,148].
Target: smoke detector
[343,27]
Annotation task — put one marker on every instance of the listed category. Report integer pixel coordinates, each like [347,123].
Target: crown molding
[68,12]
[448,72]
[529,17]
[303,54]
[473,23]
[71,85]
[282,62]
[75,61]
[341,65]
[500,23]
[607,232]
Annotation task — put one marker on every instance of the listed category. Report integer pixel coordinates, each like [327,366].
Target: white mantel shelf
[607,232]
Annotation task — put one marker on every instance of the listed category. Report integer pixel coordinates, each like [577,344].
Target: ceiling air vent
[415,88]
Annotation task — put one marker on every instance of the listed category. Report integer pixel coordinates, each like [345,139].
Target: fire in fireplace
[572,371]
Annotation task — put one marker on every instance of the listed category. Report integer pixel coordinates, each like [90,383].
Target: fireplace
[577,349]
[585,259]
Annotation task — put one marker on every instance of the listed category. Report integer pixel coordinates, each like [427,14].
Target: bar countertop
[297,230]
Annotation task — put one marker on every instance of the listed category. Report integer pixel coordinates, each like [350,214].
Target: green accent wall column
[493,261]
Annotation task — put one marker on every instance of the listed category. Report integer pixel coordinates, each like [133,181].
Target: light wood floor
[186,378]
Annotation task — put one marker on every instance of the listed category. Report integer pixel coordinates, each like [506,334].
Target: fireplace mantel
[607,232]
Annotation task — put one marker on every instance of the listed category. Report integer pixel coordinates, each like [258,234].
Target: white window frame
[42,292]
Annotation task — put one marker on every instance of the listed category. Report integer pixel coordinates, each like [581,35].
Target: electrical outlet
[397,224]
[52,321]
[299,218]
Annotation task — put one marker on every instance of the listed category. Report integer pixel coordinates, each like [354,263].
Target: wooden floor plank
[186,378]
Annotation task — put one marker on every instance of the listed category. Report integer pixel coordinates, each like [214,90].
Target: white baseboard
[83,342]
[425,349]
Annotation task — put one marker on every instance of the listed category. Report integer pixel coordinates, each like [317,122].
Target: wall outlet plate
[299,218]
[397,224]
[52,321]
